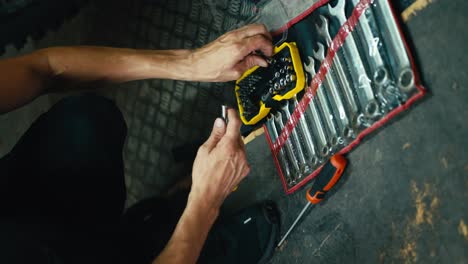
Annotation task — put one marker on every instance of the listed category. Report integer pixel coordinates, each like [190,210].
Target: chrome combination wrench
[369,105]
[290,151]
[284,162]
[324,106]
[314,116]
[307,137]
[395,46]
[372,43]
[295,142]
[340,116]
[338,70]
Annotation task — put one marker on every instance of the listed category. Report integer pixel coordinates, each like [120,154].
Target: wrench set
[359,72]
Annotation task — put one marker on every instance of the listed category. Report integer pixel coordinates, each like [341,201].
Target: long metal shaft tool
[327,178]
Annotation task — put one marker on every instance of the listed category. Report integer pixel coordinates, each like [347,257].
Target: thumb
[219,129]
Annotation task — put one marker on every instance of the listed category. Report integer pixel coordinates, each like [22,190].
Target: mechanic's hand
[220,164]
[229,56]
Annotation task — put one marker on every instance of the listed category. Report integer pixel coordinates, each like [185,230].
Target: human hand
[220,164]
[229,56]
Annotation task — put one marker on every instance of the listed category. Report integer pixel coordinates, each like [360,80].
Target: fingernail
[263,63]
[219,122]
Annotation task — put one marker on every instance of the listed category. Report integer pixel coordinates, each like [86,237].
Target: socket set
[260,89]
[359,74]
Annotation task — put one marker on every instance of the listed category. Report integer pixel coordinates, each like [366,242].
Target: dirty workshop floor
[403,197]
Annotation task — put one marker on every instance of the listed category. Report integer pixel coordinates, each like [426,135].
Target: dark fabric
[248,236]
[62,196]
[63,189]
[149,224]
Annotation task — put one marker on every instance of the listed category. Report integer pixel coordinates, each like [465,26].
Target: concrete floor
[402,197]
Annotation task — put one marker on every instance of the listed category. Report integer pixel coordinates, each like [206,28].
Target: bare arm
[27,77]
[220,166]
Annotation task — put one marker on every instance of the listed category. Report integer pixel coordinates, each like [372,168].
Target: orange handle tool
[327,178]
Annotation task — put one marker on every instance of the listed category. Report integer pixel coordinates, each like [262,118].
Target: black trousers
[62,196]
[62,191]
[68,165]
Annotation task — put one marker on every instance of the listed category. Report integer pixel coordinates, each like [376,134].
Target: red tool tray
[316,81]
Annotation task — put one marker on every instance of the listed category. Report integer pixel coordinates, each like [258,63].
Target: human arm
[24,78]
[219,167]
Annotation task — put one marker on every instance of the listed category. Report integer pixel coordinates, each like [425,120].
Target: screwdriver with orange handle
[327,178]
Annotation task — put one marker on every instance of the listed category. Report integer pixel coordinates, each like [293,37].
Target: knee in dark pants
[93,111]
[70,161]
[89,126]
[94,132]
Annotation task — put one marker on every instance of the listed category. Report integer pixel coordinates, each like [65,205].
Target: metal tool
[314,116]
[340,116]
[395,46]
[296,142]
[290,151]
[406,79]
[361,80]
[326,179]
[306,133]
[328,116]
[372,43]
[224,114]
[324,106]
[338,70]
[282,158]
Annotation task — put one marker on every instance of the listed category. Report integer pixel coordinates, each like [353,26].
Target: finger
[246,63]
[252,30]
[218,131]
[233,127]
[257,43]
[249,62]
